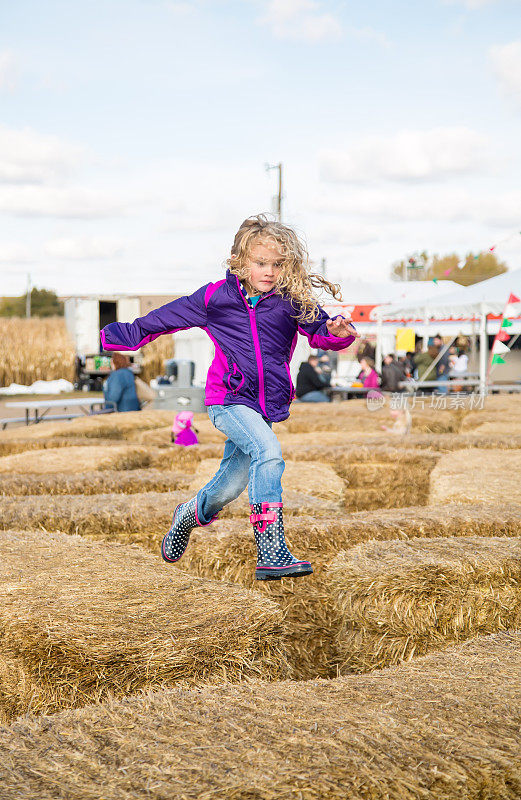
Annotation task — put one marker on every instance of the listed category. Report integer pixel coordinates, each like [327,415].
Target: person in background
[120,386]
[407,363]
[453,355]
[324,366]
[392,373]
[443,365]
[365,349]
[461,363]
[418,349]
[460,367]
[368,376]
[311,381]
[423,361]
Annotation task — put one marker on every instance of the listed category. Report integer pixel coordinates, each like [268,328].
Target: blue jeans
[252,456]
[442,389]
[314,397]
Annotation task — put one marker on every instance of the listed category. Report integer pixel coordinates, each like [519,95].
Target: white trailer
[85,316]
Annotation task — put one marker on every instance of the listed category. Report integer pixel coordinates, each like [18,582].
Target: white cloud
[368,34]
[181,9]
[345,233]
[301,20]
[29,157]
[407,156]
[470,4]
[83,248]
[506,63]
[441,204]
[14,253]
[8,71]
[44,201]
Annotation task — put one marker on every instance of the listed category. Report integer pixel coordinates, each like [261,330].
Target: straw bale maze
[394,672]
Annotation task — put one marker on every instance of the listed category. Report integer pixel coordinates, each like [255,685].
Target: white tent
[376,293]
[462,303]
[466,302]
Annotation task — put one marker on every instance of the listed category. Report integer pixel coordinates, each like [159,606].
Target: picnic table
[345,392]
[41,408]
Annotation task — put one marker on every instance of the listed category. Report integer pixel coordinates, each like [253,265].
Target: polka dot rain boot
[185,519]
[274,561]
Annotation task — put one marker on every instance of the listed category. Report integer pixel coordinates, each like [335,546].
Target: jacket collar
[233,282]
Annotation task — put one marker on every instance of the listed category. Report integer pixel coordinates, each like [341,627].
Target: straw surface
[89,619]
[137,518]
[108,426]
[205,431]
[401,599]
[476,475]
[95,482]
[445,727]
[226,551]
[76,459]
[315,478]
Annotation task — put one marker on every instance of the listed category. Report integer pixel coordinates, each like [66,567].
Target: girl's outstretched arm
[178,315]
[327,333]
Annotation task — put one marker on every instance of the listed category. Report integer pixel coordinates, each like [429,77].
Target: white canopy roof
[488,296]
[366,293]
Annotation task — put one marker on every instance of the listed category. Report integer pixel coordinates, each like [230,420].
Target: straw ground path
[444,727]
[84,620]
[476,475]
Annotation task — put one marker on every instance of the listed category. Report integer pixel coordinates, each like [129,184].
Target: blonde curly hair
[294,281]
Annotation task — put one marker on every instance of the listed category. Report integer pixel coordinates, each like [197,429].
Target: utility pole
[323,267]
[28,297]
[278,197]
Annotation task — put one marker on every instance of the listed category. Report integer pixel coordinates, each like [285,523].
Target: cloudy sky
[134,134]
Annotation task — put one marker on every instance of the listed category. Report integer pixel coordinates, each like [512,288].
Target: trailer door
[128,309]
[86,326]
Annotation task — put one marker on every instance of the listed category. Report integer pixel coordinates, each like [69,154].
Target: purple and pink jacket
[253,346]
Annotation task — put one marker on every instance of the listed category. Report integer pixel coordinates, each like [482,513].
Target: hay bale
[184,457]
[314,477]
[476,475]
[20,693]
[132,518]
[444,727]
[226,551]
[388,480]
[499,427]
[107,426]
[11,446]
[402,599]
[206,433]
[95,482]
[91,619]
[140,518]
[76,459]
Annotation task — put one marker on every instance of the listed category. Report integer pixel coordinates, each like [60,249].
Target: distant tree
[477,268]
[443,268]
[44,303]
[410,268]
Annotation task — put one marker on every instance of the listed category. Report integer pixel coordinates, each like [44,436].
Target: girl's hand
[341,327]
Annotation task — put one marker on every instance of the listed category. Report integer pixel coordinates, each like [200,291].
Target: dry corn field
[391,673]
[47,352]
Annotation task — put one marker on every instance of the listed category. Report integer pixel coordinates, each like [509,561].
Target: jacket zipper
[291,387]
[256,345]
[258,356]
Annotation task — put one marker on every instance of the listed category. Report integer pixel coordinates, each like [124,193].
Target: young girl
[253,317]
